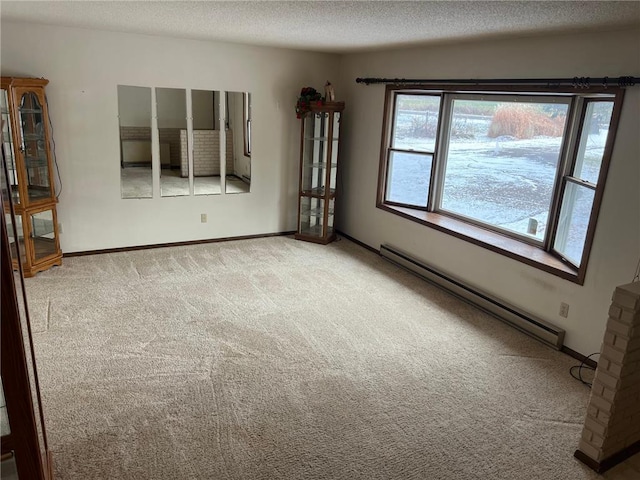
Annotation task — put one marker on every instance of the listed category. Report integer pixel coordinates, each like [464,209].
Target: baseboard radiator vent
[537,328]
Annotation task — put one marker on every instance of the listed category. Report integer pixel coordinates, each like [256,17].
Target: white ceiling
[330,26]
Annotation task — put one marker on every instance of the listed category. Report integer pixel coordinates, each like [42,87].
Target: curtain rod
[576,82]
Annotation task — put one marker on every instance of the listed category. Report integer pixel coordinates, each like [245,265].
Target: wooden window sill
[509,247]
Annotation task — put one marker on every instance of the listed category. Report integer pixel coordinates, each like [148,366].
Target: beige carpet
[279,359]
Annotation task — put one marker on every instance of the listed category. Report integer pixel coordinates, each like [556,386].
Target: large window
[518,172]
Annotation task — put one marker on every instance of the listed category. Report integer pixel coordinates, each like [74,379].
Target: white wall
[84,68]
[616,246]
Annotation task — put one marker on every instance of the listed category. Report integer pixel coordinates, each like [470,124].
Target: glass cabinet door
[16,237]
[33,146]
[42,234]
[7,142]
[312,221]
[335,134]
[315,161]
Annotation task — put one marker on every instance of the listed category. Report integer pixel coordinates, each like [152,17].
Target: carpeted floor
[279,359]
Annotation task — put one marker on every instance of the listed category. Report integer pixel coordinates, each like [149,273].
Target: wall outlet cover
[564,310]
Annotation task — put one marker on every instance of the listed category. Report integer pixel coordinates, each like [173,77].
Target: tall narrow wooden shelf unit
[320,139]
[26,143]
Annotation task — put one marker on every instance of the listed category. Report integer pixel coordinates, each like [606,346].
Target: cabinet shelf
[319,165]
[315,212]
[36,162]
[321,139]
[30,137]
[314,231]
[318,192]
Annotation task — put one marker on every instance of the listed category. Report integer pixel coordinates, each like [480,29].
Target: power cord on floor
[583,366]
[53,149]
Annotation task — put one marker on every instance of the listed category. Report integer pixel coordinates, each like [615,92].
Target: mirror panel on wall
[206,142]
[134,116]
[173,139]
[196,147]
[238,142]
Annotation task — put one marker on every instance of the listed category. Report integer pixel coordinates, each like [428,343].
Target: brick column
[612,428]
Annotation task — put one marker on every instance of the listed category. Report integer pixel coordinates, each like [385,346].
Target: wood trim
[608,463]
[6,445]
[604,170]
[19,81]
[321,240]
[301,172]
[587,460]
[6,456]
[385,136]
[589,362]
[496,242]
[175,244]
[358,242]
[327,107]
[42,266]
[49,464]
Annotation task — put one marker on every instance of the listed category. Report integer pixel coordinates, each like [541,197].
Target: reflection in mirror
[206,142]
[172,135]
[238,144]
[33,148]
[134,114]
[7,143]
[5,429]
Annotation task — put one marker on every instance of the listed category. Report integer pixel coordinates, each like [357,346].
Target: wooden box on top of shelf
[26,144]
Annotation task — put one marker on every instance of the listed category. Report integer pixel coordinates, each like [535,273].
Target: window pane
[416,122]
[574,221]
[592,140]
[408,178]
[501,162]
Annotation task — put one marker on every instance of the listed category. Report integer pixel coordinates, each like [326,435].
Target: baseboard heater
[539,329]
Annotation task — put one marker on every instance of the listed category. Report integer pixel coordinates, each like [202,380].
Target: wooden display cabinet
[26,144]
[320,140]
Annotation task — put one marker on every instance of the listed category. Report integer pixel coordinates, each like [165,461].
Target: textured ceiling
[330,26]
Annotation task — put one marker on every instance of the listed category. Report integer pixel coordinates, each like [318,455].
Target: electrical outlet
[564,310]
[59,228]
[203,218]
